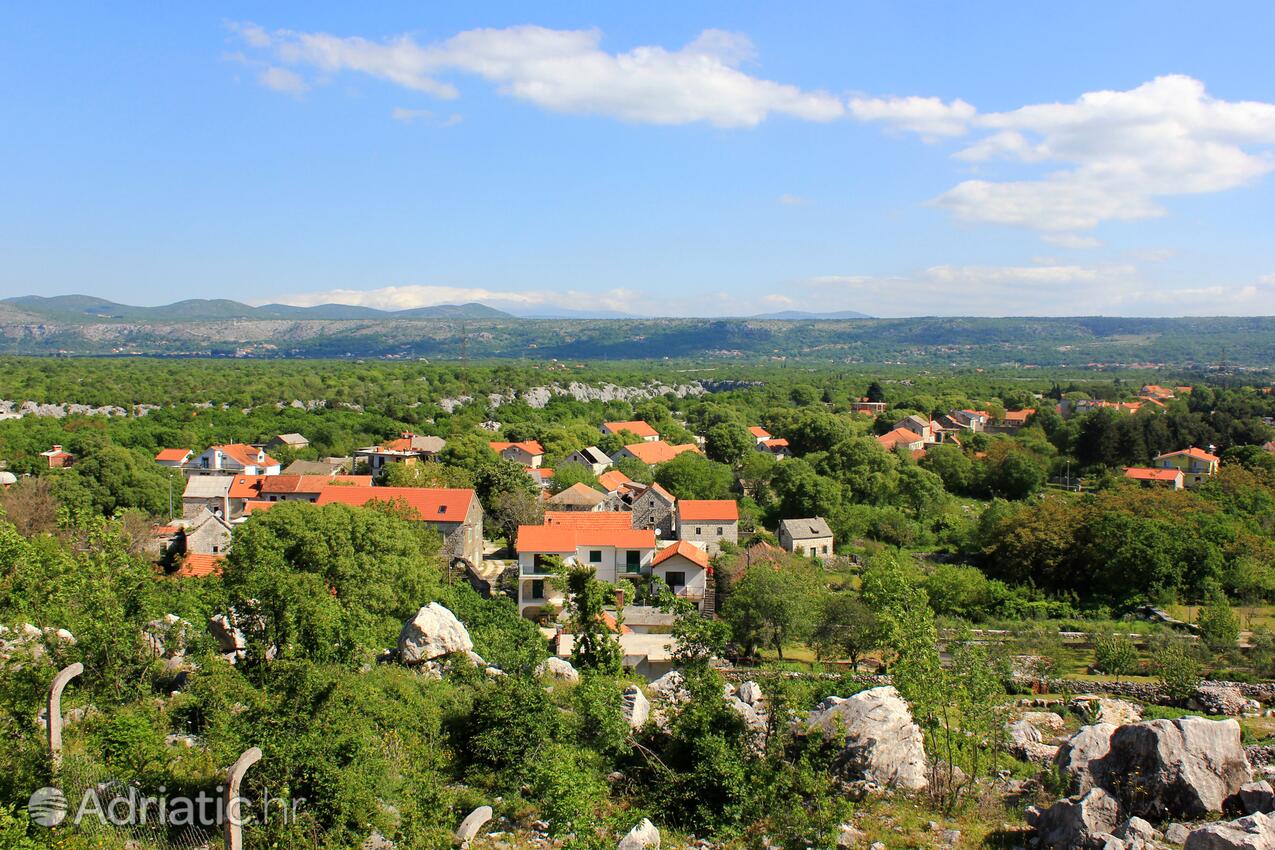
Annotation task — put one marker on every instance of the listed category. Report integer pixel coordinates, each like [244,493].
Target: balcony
[690,594]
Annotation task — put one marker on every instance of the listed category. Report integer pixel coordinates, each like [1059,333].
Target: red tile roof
[1019,415]
[612,479]
[899,437]
[659,451]
[565,531]
[531,447]
[246,486]
[775,443]
[245,455]
[636,427]
[708,509]
[280,484]
[1193,453]
[759,432]
[432,504]
[1142,473]
[254,506]
[194,565]
[172,455]
[687,550]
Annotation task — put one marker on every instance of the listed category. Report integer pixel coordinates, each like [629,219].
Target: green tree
[1219,627]
[1115,654]
[596,647]
[690,475]
[568,474]
[728,442]
[847,628]
[771,605]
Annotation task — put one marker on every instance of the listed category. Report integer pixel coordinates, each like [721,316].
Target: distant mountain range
[799,315]
[80,308]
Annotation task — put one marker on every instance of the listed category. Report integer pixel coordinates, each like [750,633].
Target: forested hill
[1184,342]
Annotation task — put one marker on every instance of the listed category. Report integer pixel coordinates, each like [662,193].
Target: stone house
[708,522]
[653,509]
[455,513]
[807,537]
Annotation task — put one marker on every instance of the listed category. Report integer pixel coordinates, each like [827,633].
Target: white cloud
[1072,240]
[1120,151]
[793,200]
[412,116]
[282,80]
[928,116]
[567,71]
[778,300]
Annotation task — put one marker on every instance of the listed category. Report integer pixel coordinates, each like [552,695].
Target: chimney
[57,447]
[619,599]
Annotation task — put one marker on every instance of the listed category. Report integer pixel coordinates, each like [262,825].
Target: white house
[526,453]
[684,567]
[592,457]
[606,541]
[235,459]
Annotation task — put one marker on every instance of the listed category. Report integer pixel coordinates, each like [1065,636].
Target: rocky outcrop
[749,703]
[1098,709]
[670,688]
[434,632]
[1187,767]
[1255,832]
[1078,822]
[1076,755]
[1226,700]
[644,836]
[1257,797]
[1027,743]
[557,668]
[883,745]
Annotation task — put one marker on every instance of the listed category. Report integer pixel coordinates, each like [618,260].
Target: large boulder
[1079,822]
[636,707]
[432,633]
[644,836]
[1257,797]
[473,822]
[882,743]
[1027,743]
[554,667]
[670,688]
[1185,768]
[1076,755]
[1255,832]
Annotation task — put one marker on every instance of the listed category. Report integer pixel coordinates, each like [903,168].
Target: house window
[538,589]
[632,561]
[675,579]
[825,550]
[719,531]
[699,530]
[595,556]
[442,509]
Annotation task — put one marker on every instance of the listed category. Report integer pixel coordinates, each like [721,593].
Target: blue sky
[721,159]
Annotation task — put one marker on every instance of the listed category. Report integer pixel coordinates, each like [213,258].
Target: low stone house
[807,537]
[708,522]
[653,509]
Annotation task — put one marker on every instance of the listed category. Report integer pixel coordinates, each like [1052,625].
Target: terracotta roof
[531,447]
[775,443]
[612,479]
[245,455]
[254,506]
[194,565]
[172,454]
[687,550]
[636,427]
[1193,453]
[578,494]
[246,486]
[565,531]
[759,432]
[1019,415]
[432,504]
[659,451]
[708,509]
[898,437]
[279,484]
[1142,473]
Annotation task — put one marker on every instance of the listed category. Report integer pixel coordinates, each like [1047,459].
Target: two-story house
[652,508]
[685,568]
[654,451]
[453,512]
[234,459]
[708,522]
[605,541]
[1197,465]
